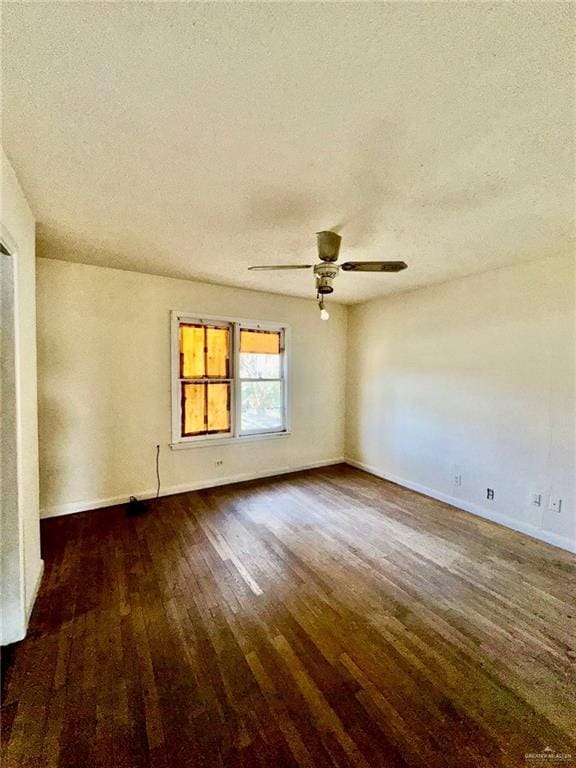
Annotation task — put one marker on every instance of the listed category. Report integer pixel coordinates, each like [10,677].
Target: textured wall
[104,378]
[474,378]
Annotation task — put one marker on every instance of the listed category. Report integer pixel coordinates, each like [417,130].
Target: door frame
[13,595]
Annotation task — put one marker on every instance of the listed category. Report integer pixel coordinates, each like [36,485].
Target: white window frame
[235,435]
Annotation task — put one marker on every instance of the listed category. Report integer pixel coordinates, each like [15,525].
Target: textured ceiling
[193,140]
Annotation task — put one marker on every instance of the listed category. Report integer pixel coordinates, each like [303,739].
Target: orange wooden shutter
[217,353]
[260,342]
[192,356]
[218,397]
[193,409]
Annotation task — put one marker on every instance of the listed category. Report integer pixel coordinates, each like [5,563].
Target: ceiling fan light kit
[325,272]
[324,314]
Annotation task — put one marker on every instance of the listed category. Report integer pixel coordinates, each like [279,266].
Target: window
[205,379]
[229,379]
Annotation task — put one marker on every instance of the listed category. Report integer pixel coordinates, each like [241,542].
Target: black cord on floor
[158,470]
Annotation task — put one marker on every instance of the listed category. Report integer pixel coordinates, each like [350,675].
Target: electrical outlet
[219,462]
[490,494]
[458,480]
[555,504]
[536,499]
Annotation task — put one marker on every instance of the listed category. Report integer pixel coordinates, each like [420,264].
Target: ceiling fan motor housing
[325,273]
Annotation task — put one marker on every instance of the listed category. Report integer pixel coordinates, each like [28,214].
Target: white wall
[473,377]
[104,385]
[21,563]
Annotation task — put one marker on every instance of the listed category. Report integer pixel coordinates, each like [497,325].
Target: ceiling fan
[327,270]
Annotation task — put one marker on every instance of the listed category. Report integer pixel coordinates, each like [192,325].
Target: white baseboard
[562,542]
[89,504]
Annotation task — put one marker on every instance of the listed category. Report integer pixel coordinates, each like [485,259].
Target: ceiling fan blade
[373,266]
[283,266]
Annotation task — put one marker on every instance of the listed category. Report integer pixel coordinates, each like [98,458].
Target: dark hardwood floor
[326,618]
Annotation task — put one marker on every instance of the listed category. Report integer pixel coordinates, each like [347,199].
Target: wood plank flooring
[326,618]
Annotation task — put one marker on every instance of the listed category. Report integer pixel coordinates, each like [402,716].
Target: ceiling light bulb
[324,314]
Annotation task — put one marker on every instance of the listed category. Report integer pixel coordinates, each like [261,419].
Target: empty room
[288,394]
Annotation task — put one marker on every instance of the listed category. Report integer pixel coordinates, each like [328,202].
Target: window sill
[227,441]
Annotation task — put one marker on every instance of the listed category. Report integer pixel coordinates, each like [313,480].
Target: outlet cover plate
[555,504]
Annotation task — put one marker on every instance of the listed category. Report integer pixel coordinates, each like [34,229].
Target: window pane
[218,355]
[193,409]
[261,405]
[218,407]
[260,366]
[191,351]
[260,342]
